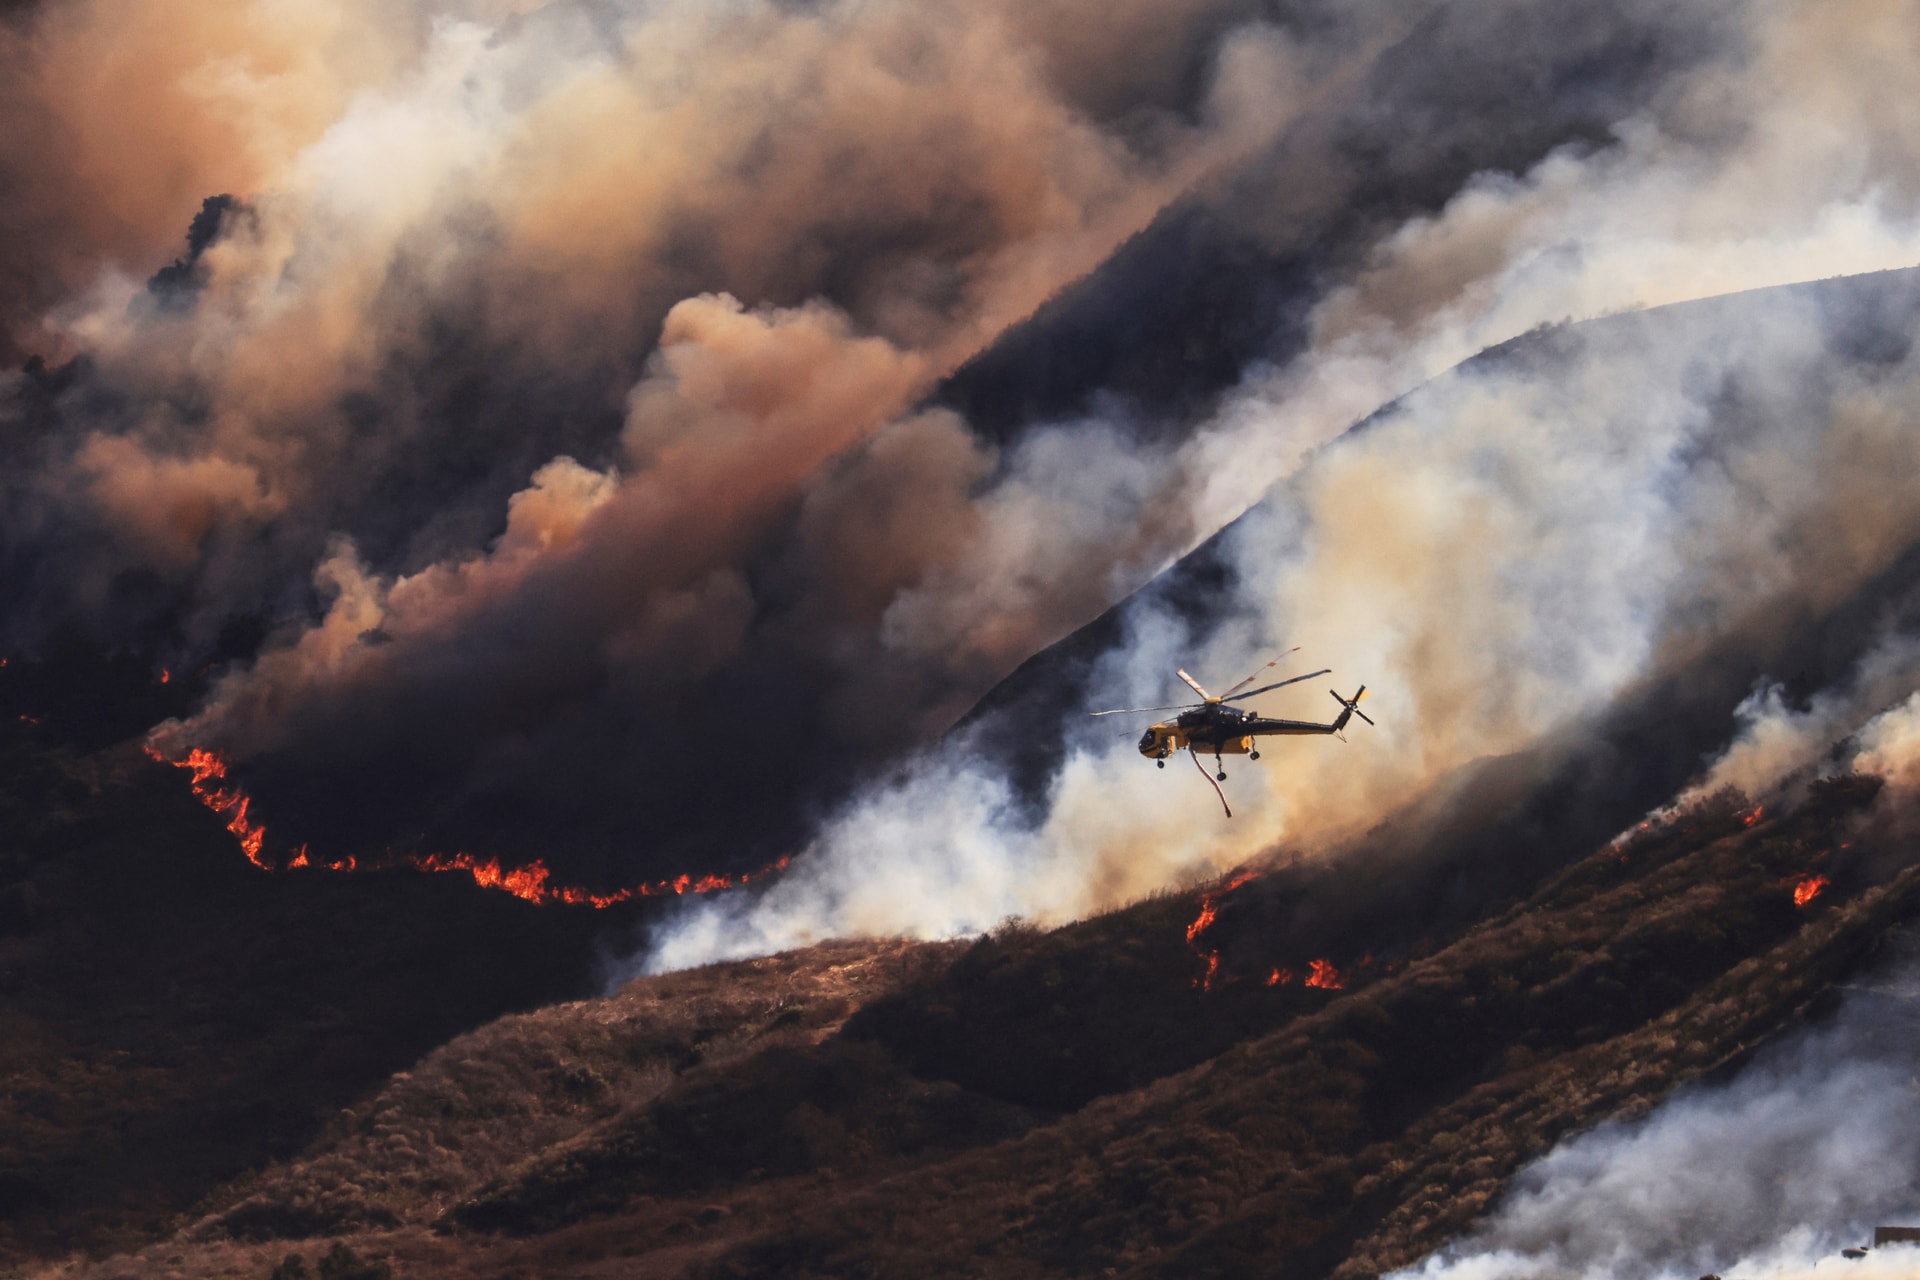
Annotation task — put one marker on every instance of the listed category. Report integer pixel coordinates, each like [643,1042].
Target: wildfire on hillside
[530,883]
[1320,973]
[1808,889]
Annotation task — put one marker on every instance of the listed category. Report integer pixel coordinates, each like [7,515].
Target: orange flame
[1324,975]
[165,675]
[1809,889]
[1209,907]
[531,883]
[1280,978]
[209,770]
[1203,920]
[1753,817]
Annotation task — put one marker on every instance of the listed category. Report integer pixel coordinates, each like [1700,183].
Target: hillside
[174,1016]
[823,1113]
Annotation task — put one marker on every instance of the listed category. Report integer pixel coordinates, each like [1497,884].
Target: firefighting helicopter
[1213,725]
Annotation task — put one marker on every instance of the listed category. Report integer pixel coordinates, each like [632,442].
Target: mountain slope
[1363,1128]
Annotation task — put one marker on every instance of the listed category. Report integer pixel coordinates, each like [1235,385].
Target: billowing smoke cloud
[558,391]
[1509,550]
[1503,554]
[705,256]
[1768,1176]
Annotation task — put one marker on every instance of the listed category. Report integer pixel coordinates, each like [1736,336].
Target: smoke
[1509,550]
[808,215]
[557,392]
[1768,1176]
[1503,555]
[1779,742]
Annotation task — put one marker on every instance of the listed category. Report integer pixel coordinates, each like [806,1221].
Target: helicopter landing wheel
[1159,764]
[1253,755]
[1222,775]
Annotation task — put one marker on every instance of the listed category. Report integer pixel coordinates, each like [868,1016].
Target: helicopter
[1213,725]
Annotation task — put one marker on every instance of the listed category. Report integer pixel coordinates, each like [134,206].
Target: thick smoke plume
[562,395]
[1509,551]
[658,287]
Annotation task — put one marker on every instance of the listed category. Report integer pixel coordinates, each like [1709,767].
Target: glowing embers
[1754,815]
[1808,889]
[531,883]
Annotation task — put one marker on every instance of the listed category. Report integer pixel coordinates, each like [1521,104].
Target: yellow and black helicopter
[1214,725]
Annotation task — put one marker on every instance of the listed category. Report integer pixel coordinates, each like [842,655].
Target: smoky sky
[620,432]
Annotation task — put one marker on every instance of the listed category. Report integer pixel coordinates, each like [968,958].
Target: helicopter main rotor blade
[1194,684]
[1278,685]
[1256,675]
[1127,711]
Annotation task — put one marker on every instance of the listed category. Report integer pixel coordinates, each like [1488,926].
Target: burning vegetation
[1321,973]
[1806,890]
[871,1108]
[532,882]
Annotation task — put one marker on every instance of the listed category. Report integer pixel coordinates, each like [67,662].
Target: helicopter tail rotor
[1350,707]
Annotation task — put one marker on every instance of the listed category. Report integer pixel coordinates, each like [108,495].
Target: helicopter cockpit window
[1147,740]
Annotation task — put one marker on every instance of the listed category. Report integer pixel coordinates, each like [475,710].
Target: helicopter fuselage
[1214,728]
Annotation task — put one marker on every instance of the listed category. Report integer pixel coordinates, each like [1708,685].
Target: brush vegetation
[1073,1101]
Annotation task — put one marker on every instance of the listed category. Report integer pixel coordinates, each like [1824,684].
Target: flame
[530,883]
[1753,817]
[1205,918]
[1209,907]
[1809,889]
[1282,977]
[209,770]
[165,675]
[1325,975]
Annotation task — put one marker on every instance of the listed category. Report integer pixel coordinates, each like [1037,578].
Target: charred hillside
[1151,1092]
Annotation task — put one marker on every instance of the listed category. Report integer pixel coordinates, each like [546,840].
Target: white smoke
[1765,1178]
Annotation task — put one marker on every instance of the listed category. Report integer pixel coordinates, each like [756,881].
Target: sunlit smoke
[724,255]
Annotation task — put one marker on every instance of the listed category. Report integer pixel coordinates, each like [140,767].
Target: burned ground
[1081,1100]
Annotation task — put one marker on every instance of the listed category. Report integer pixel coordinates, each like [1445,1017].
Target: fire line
[530,883]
